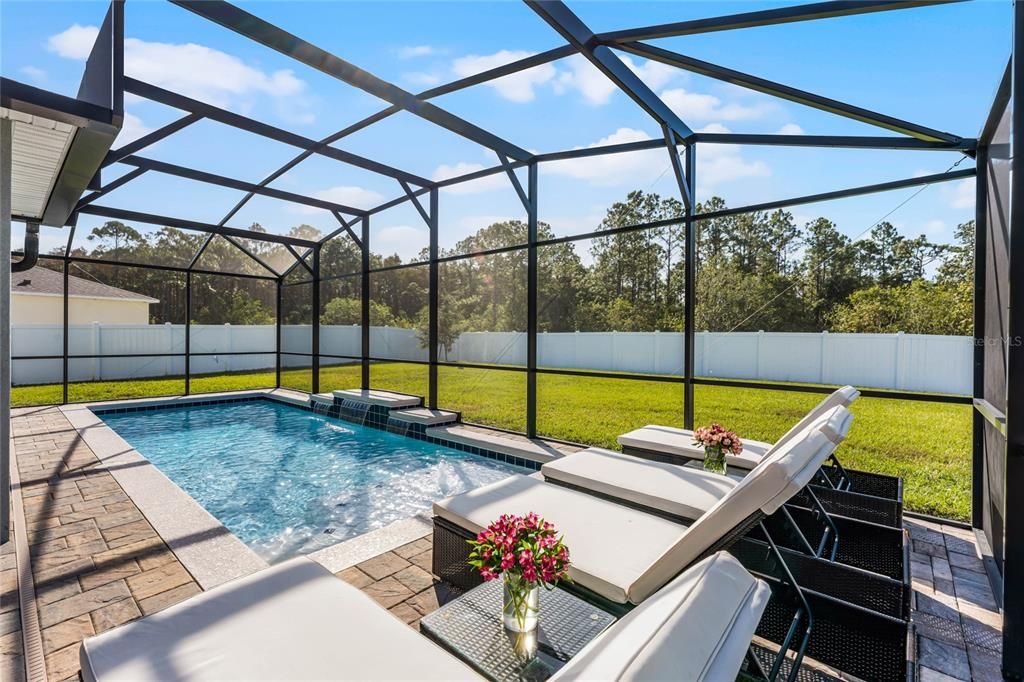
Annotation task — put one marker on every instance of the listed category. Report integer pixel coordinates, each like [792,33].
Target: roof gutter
[31,252]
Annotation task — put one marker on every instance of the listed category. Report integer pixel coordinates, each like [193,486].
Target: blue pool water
[287,481]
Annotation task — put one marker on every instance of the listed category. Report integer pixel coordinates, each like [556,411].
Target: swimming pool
[287,481]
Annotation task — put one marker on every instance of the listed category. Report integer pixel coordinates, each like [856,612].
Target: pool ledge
[208,550]
[368,545]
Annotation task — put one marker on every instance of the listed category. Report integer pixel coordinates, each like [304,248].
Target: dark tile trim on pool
[376,418]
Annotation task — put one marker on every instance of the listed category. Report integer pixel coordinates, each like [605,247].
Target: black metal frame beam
[786,92]
[269,35]
[769,17]
[434,301]
[143,163]
[115,155]
[138,216]
[1013,519]
[570,27]
[964,145]
[461,84]
[172,99]
[110,187]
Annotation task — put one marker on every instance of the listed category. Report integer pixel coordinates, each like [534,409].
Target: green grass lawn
[928,444]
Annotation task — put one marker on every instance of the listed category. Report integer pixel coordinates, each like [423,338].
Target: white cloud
[195,71]
[699,107]
[791,129]
[470,224]
[34,73]
[718,164]
[611,169]
[597,89]
[412,51]
[132,129]
[357,197]
[424,79]
[74,43]
[935,229]
[484,184]
[517,87]
[959,195]
[584,77]
[405,240]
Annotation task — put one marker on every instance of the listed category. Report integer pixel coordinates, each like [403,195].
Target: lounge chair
[875,553]
[297,621]
[682,493]
[622,555]
[667,443]
[858,494]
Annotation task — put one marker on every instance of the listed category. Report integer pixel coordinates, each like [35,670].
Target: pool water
[287,481]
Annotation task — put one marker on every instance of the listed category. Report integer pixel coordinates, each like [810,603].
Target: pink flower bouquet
[717,442]
[528,552]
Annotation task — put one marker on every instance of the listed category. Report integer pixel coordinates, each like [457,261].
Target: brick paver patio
[96,561]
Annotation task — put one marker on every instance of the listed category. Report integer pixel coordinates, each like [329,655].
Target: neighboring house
[37,297]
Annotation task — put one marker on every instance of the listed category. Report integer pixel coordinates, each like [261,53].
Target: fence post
[757,351]
[229,344]
[898,366]
[168,360]
[97,365]
[823,364]
[705,335]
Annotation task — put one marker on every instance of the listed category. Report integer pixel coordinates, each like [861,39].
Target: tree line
[756,271]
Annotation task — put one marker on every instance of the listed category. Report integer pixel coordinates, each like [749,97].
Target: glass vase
[714,460]
[521,604]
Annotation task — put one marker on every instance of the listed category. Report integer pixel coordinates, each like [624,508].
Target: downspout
[31,257]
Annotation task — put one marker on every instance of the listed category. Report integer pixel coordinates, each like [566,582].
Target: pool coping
[204,546]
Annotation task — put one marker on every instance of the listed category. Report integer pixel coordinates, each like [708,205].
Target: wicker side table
[471,628]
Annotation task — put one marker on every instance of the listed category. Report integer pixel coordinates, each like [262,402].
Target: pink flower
[526,558]
[508,560]
[488,574]
[530,574]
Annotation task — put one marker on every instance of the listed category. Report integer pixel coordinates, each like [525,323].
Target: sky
[935,66]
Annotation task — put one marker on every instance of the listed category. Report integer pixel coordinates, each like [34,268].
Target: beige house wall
[49,309]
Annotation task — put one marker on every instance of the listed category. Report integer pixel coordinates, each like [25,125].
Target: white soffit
[39,146]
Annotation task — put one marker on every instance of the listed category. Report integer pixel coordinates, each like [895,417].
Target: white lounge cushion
[611,547]
[679,442]
[680,491]
[841,397]
[698,627]
[626,555]
[670,440]
[293,621]
[766,488]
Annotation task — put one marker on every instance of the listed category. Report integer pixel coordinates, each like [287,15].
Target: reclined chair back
[840,397]
[698,627]
[762,492]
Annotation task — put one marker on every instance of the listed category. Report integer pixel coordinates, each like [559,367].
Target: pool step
[379,398]
[424,415]
[534,450]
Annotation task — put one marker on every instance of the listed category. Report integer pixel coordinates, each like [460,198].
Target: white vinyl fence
[911,362]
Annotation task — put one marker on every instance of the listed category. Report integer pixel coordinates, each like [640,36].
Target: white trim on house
[139,299]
